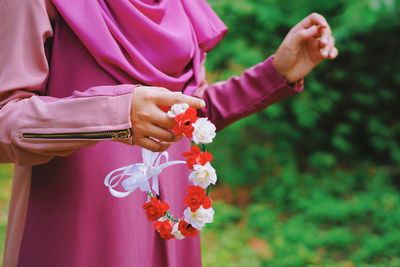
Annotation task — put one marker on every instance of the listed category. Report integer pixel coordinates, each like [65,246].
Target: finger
[158,133]
[161,119]
[164,146]
[153,115]
[149,144]
[325,52]
[178,138]
[312,19]
[169,99]
[326,34]
[304,34]
[334,53]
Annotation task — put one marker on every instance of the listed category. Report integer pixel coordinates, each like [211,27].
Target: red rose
[164,108]
[195,156]
[164,228]
[184,122]
[155,209]
[196,197]
[187,229]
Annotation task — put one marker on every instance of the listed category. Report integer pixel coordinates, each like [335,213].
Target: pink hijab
[159,44]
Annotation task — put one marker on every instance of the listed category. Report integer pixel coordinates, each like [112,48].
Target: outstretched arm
[305,46]
[251,92]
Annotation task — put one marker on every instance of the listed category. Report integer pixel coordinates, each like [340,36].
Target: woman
[81,80]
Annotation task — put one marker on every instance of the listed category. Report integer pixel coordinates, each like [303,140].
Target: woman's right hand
[149,122]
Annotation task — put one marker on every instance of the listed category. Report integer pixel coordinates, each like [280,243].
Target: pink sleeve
[256,89]
[34,128]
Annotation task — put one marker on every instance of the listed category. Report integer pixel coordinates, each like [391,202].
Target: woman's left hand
[305,46]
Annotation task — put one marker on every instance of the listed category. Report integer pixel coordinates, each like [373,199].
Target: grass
[5,192]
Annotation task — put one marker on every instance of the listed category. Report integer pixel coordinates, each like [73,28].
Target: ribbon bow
[137,175]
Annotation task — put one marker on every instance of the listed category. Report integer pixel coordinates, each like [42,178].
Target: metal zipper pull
[126,133]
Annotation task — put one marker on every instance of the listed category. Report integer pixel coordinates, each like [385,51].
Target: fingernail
[325,53]
[333,54]
[202,103]
[325,40]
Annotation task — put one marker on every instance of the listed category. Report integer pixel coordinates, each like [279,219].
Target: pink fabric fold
[128,45]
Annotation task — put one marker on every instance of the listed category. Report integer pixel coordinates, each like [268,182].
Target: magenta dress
[71,218]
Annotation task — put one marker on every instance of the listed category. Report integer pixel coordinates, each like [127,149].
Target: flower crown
[199,209]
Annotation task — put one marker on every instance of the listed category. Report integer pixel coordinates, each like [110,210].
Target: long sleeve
[254,90]
[25,27]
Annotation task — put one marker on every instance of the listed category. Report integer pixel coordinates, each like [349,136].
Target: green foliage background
[5,191]
[322,167]
[313,180]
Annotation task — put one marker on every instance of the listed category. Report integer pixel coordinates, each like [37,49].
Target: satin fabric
[127,38]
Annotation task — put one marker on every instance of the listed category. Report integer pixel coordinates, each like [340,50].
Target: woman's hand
[305,46]
[149,122]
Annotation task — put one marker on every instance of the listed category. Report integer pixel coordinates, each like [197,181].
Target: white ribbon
[136,176]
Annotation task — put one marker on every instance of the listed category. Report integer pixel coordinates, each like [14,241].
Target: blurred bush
[322,166]
[349,111]
[5,192]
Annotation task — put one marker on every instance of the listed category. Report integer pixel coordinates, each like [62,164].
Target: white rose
[200,217]
[175,231]
[177,109]
[204,131]
[203,175]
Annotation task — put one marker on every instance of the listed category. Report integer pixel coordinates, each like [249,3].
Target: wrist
[282,72]
[296,84]
[279,68]
[290,75]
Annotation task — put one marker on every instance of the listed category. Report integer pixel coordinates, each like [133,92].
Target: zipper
[113,134]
